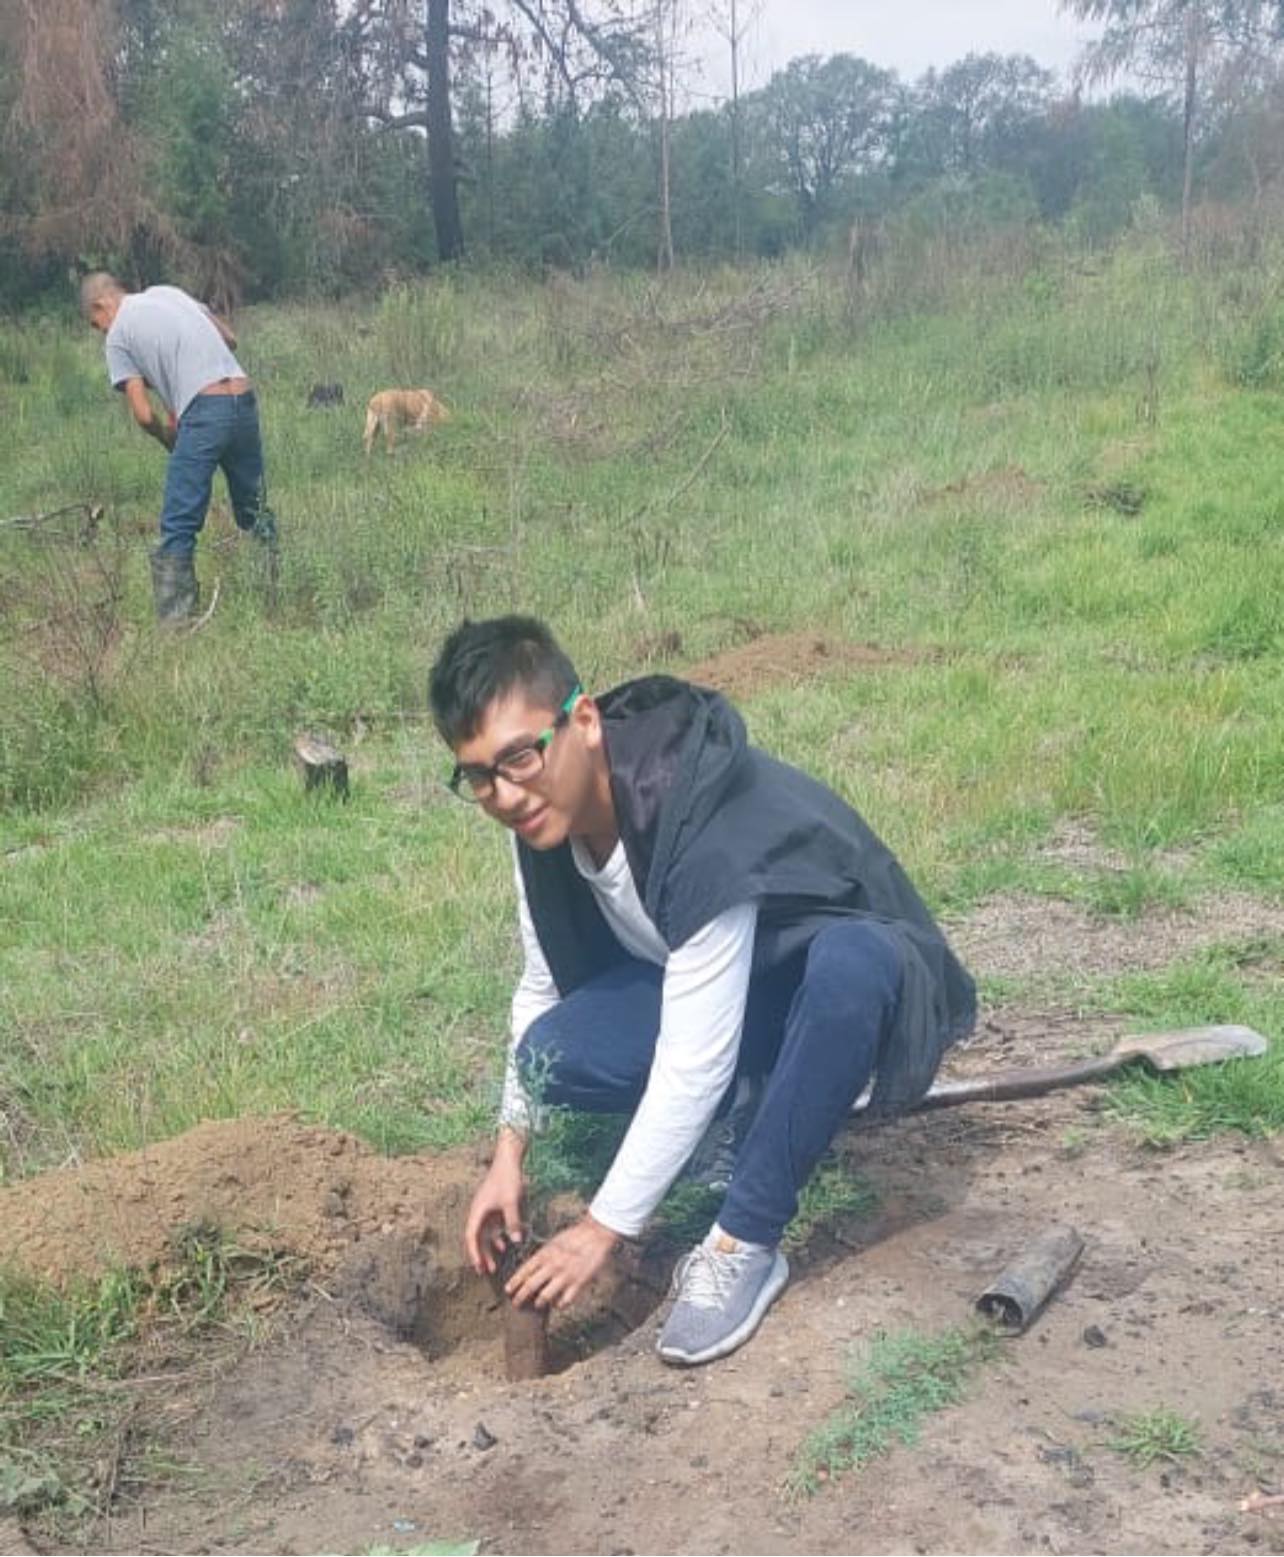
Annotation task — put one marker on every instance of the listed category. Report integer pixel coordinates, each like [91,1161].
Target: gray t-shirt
[167,338]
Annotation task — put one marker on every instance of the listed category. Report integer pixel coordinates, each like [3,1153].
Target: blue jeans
[214,431]
[815,1027]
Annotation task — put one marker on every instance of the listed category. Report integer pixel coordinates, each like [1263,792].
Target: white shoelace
[708,1276]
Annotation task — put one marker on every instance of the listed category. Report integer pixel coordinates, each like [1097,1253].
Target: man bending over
[714,943]
[166,341]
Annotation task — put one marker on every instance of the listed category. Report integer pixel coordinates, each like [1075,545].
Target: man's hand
[555,1275]
[144,413]
[495,1216]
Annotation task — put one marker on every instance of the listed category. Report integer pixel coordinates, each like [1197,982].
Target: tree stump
[321,765]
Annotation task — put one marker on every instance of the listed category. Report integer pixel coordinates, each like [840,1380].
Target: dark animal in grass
[325,394]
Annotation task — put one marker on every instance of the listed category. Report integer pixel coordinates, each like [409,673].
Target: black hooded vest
[708,822]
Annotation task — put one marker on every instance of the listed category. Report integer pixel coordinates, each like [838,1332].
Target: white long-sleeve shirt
[706,980]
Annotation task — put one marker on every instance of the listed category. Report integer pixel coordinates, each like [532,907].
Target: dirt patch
[1078,846]
[316,1192]
[215,834]
[788,659]
[1007,486]
[375,1414]
[339,1435]
[1020,935]
[382,1236]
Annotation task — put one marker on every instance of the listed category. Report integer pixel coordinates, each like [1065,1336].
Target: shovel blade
[1192,1046]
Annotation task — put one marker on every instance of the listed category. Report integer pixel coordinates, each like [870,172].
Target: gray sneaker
[723,1292]
[713,1161]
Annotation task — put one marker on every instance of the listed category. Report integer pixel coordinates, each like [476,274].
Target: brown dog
[393,408]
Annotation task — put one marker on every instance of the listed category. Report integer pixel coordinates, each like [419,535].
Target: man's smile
[529,821]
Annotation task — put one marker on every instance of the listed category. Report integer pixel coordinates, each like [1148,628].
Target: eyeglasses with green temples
[474,781]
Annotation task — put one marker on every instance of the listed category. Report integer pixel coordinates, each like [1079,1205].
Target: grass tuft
[899,1381]
[1159,1434]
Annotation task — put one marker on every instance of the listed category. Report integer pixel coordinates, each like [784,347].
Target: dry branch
[209,609]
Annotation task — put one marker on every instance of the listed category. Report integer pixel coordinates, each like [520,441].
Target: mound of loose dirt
[382,1236]
[787,659]
[309,1191]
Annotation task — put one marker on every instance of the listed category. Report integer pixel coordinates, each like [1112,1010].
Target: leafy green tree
[827,121]
[975,115]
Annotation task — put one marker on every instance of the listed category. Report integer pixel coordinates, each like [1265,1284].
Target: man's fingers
[544,1284]
[528,1282]
[481,1238]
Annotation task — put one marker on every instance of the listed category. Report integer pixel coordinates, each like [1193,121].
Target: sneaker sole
[771,1290]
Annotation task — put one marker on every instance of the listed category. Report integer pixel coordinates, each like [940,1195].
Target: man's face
[102,313]
[554,804]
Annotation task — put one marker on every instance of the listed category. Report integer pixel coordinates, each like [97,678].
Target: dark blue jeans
[814,1026]
[215,431]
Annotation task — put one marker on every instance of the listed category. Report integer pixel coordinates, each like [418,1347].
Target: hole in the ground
[439,1305]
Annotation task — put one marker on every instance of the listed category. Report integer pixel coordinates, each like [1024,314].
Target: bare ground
[375,1414]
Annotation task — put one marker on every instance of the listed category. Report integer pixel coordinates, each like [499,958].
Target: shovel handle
[1011,1084]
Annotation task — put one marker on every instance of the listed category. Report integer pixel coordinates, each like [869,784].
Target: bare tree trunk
[490,159]
[664,65]
[736,191]
[441,141]
[1189,105]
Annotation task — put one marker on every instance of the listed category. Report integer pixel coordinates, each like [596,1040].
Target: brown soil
[790,659]
[376,1413]
[1006,485]
[1022,935]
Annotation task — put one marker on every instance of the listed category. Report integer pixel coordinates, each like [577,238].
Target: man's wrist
[600,1230]
[510,1143]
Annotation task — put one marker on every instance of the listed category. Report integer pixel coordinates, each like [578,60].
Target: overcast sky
[905,35]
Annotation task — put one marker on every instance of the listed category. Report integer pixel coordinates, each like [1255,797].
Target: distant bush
[1253,357]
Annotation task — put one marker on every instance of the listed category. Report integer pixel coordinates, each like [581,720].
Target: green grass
[832,1192]
[64,1352]
[898,1381]
[1159,1434]
[183,935]
[48,1335]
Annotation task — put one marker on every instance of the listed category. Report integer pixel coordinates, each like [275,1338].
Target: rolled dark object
[525,1328]
[1014,1301]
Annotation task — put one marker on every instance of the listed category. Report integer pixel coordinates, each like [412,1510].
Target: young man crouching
[714,943]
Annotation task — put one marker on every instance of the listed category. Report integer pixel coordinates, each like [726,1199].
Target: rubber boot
[264,530]
[174,588]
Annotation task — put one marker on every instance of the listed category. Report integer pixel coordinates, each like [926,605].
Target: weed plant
[1159,1434]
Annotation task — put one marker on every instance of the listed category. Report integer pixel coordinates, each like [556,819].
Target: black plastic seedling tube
[1020,1293]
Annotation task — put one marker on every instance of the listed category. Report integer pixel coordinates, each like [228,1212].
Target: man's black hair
[483,661]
